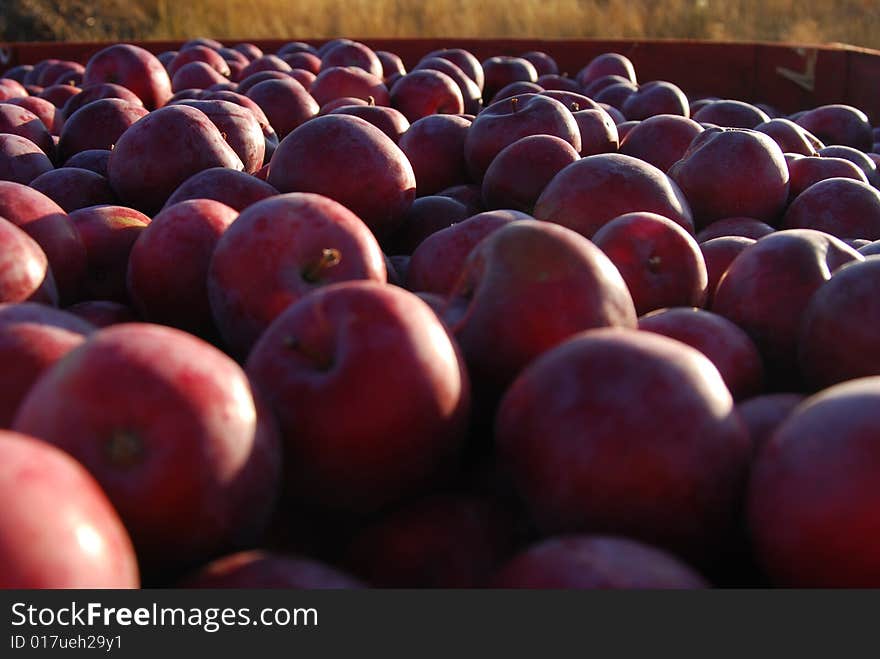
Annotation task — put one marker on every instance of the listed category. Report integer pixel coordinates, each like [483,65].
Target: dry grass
[848,21]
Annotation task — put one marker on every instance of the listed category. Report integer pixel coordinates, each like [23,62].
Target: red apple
[434,146]
[265,63]
[862,160]
[16,120]
[584,562]
[140,171]
[228,186]
[728,347]
[746,227]
[814,492]
[425,92]
[58,95]
[108,233]
[653,98]
[47,223]
[839,124]
[95,160]
[731,114]
[843,207]
[465,60]
[286,103]
[73,188]
[97,125]
[239,128]
[598,132]
[202,54]
[265,569]
[660,140]
[527,287]
[438,262]
[276,252]
[103,313]
[808,171]
[352,54]
[50,116]
[132,67]
[501,70]
[790,137]
[668,470]
[604,65]
[164,421]
[391,64]
[405,418]
[767,287]
[62,531]
[729,173]
[589,193]
[21,161]
[503,123]
[837,341]
[471,94]
[426,216]
[97,92]
[32,338]
[378,183]
[388,120]
[342,82]
[450,541]
[764,414]
[515,89]
[660,262]
[719,253]
[520,172]
[168,264]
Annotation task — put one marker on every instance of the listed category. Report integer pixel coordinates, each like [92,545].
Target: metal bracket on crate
[805,79]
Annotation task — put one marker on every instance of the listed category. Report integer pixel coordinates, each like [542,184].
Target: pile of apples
[307,319]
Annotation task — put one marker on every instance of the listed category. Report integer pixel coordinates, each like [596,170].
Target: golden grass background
[855,22]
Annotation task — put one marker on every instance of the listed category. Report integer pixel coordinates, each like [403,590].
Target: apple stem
[330,257]
[292,343]
[654,263]
[514,104]
[124,448]
[372,101]
[575,106]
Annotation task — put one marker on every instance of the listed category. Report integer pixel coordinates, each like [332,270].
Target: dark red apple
[434,146]
[352,54]
[32,338]
[730,173]
[62,531]
[378,184]
[134,68]
[660,262]
[859,158]
[388,120]
[669,471]
[515,89]
[471,94]
[140,171]
[527,287]
[50,116]
[465,60]
[438,542]
[543,62]
[384,353]
[202,54]
[728,347]
[837,341]
[96,93]
[47,223]
[98,125]
[262,569]
[344,82]
[768,286]
[731,114]
[426,216]
[304,61]
[276,252]
[598,132]
[653,98]
[16,120]
[58,95]
[719,253]
[168,265]
[25,274]
[438,262]
[764,414]
[228,186]
[108,233]
[589,193]
[519,173]
[503,123]
[425,92]
[95,160]
[165,422]
[843,207]
[73,188]
[265,63]
[746,227]
[197,75]
[839,124]
[21,161]
[239,128]
[814,492]
[584,562]
[286,103]
[604,65]
[501,70]
[103,313]
[660,140]
[790,137]
[807,171]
